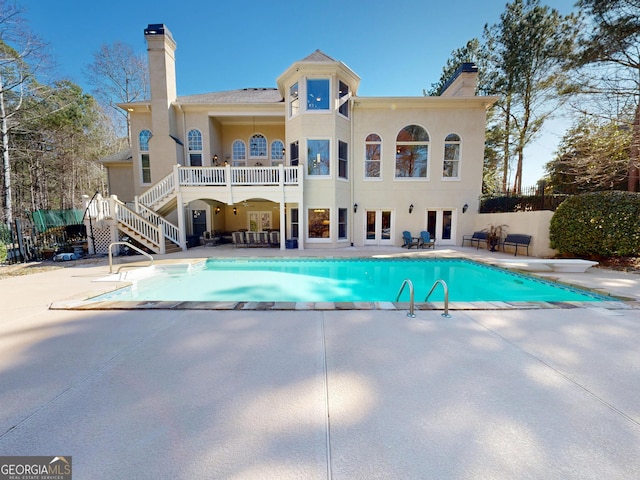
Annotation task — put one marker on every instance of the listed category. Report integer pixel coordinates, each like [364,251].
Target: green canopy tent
[46,219]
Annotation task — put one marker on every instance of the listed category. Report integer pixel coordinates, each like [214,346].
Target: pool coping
[84,300]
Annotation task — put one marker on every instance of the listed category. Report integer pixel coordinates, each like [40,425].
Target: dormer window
[318,94]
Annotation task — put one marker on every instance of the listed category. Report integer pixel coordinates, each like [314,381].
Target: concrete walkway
[370,394]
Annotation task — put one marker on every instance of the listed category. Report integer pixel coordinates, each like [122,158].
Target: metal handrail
[130,246]
[446,296]
[411,296]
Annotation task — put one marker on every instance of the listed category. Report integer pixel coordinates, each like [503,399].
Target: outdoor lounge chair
[238,239]
[209,239]
[425,240]
[410,241]
[274,238]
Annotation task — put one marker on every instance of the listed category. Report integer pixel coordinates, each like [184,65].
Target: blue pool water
[346,280]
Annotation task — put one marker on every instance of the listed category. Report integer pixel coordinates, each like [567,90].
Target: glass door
[440,226]
[378,227]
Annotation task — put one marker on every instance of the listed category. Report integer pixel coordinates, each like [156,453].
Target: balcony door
[378,227]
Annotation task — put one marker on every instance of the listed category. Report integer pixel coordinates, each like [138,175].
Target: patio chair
[425,240]
[209,239]
[238,239]
[262,239]
[274,238]
[409,241]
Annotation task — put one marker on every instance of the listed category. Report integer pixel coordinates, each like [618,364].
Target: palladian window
[412,152]
[258,146]
[277,152]
[239,152]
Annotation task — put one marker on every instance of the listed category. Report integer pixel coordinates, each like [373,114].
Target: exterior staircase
[141,222]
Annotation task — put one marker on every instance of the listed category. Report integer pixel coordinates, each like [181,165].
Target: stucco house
[308,158]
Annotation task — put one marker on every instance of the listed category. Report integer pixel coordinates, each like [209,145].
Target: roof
[121,156]
[318,56]
[244,95]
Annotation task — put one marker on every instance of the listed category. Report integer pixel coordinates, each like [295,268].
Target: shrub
[604,224]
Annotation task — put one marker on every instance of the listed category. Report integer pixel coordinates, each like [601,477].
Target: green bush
[602,224]
[5,238]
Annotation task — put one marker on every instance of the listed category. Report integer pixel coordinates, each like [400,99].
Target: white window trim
[306,169]
[326,111]
[364,171]
[459,143]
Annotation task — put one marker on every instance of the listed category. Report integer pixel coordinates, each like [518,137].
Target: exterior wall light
[465,208]
[235,211]
[355,207]
[411,208]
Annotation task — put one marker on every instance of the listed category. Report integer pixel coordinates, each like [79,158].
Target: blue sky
[396,48]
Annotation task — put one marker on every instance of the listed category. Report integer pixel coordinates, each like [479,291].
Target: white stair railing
[139,225]
[161,190]
[169,230]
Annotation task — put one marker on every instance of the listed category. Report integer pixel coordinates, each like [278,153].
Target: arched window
[194,141]
[412,152]
[451,165]
[258,146]
[277,152]
[372,155]
[239,152]
[145,160]
[145,136]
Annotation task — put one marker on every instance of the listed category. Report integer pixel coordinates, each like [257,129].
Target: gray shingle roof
[245,95]
[121,156]
[318,56]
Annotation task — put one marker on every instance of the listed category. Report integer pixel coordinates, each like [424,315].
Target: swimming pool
[344,280]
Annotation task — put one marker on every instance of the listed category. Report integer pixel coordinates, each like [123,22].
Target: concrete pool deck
[370,394]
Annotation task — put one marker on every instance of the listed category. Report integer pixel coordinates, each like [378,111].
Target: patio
[368,394]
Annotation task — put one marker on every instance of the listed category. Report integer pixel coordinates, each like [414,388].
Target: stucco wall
[535,224]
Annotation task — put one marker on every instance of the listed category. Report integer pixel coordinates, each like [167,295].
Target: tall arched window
[372,155]
[451,165]
[145,160]
[258,146]
[412,152]
[277,152]
[194,141]
[239,152]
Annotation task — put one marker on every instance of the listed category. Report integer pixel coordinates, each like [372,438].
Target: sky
[397,48]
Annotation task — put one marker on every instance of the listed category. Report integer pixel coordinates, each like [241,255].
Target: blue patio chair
[409,241]
[425,240]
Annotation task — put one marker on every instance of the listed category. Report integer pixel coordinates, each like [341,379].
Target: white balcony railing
[227,175]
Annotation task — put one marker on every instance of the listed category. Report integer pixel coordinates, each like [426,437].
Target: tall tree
[470,53]
[525,52]
[22,54]
[118,75]
[613,40]
[592,156]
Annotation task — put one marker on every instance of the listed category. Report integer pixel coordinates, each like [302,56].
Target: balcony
[238,176]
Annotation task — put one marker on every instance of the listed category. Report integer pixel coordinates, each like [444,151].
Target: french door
[378,227]
[441,226]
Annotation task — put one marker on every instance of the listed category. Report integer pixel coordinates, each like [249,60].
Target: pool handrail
[130,246]
[446,296]
[411,296]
